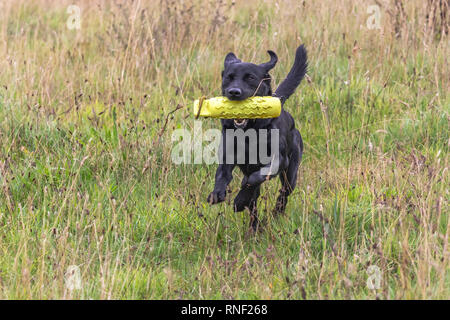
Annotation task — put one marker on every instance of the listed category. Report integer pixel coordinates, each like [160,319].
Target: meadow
[92,206]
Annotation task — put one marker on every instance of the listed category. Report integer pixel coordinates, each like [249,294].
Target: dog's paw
[239,206]
[216,197]
[242,200]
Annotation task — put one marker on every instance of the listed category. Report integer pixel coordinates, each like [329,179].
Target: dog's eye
[250,77]
[230,77]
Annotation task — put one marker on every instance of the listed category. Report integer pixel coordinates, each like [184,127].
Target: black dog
[240,81]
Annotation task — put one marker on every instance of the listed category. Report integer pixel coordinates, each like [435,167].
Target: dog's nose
[235,92]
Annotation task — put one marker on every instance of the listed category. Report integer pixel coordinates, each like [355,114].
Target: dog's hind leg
[254,221]
[288,177]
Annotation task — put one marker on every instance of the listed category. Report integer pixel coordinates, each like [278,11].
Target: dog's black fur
[240,81]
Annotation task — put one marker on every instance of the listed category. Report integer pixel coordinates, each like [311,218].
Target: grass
[86,177]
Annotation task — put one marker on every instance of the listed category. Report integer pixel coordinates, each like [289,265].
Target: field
[92,206]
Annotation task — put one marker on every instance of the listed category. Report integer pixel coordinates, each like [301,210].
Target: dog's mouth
[240,123]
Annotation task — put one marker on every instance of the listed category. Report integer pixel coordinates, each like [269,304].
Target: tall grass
[86,177]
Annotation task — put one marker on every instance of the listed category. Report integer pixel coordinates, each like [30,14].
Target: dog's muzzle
[240,123]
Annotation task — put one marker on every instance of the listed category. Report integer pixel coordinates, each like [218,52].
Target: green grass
[86,176]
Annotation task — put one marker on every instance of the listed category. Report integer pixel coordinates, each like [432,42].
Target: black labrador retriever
[241,80]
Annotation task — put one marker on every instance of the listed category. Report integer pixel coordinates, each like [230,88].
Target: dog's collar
[240,123]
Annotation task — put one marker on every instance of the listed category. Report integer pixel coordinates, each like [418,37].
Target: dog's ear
[230,59]
[273,61]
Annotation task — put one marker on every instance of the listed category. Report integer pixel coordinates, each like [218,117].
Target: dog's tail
[295,76]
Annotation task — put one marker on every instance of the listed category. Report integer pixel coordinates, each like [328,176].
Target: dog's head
[242,80]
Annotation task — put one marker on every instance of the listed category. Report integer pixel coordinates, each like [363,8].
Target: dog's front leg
[224,175]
